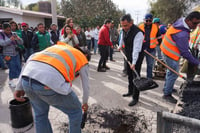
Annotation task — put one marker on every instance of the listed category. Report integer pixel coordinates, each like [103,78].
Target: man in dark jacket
[27,36]
[104,43]
[54,33]
[133,39]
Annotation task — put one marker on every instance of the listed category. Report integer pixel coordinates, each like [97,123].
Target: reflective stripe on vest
[153,34]
[194,37]
[168,46]
[67,60]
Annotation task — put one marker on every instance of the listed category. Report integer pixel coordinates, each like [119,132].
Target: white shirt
[96,34]
[88,35]
[137,45]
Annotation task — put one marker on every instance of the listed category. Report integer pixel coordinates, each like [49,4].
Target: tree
[170,10]
[90,13]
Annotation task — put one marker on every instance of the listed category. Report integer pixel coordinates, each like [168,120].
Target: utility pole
[53,12]
[137,15]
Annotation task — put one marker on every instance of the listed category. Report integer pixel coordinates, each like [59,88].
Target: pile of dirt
[190,96]
[102,120]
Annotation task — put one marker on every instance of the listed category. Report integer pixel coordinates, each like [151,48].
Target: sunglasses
[195,23]
[148,20]
[23,26]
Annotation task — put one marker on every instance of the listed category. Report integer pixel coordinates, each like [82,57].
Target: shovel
[141,83]
[166,66]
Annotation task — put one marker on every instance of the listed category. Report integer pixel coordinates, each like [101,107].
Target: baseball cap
[148,16]
[156,20]
[23,24]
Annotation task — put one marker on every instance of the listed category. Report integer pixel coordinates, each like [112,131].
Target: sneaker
[169,98]
[11,83]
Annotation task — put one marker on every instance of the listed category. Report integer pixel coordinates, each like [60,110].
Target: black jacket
[27,38]
[55,36]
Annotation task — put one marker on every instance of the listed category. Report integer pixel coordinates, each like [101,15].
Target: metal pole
[53,12]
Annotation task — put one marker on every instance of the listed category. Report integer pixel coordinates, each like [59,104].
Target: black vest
[129,39]
[55,37]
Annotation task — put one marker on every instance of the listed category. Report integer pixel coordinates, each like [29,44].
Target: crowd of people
[59,53]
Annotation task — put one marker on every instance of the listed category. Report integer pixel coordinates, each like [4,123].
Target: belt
[30,80]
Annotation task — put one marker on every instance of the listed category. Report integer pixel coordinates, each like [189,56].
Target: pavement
[106,89]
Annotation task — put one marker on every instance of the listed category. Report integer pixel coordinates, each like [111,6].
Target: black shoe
[170,98]
[127,94]
[101,70]
[123,74]
[106,67]
[133,102]
[112,60]
[174,90]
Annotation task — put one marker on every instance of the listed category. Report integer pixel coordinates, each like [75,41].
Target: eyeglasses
[148,20]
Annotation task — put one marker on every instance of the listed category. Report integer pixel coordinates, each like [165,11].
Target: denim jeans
[14,65]
[88,44]
[28,52]
[41,99]
[2,64]
[170,77]
[150,63]
[159,55]
[95,46]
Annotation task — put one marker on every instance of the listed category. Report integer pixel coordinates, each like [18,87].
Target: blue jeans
[88,44]
[28,52]
[14,65]
[2,64]
[170,77]
[41,99]
[95,45]
[150,63]
[159,55]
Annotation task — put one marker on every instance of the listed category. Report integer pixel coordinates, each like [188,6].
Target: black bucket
[21,113]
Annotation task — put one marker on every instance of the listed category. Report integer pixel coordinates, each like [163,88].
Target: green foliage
[170,10]
[32,7]
[90,13]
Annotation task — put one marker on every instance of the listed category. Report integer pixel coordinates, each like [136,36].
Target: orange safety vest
[193,38]
[153,38]
[168,46]
[64,58]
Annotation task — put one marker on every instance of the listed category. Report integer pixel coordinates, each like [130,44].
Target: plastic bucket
[21,113]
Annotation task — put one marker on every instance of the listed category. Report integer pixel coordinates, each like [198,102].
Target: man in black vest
[133,39]
[54,33]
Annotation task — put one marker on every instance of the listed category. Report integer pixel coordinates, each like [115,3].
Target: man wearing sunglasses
[151,33]
[174,45]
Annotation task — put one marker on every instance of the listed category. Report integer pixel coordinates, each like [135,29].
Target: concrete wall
[32,21]
[15,17]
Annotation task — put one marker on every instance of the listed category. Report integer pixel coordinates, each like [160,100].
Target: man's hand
[85,107]
[19,95]
[132,67]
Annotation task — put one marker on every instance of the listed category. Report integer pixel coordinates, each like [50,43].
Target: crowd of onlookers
[18,41]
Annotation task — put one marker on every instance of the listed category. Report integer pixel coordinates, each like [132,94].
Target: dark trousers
[103,49]
[131,75]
